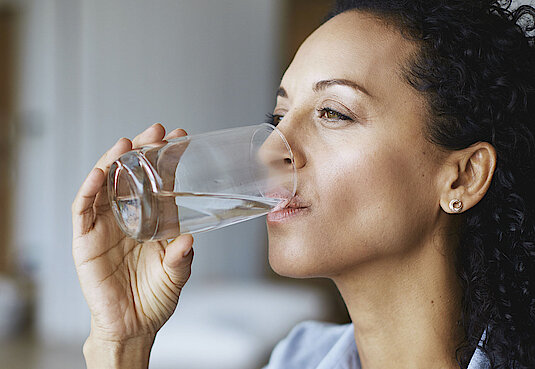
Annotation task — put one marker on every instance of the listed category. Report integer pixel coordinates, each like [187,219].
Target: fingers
[120,147]
[83,206]
[154,133]
[83,211]
[179,132]
[83,215]
[177,259]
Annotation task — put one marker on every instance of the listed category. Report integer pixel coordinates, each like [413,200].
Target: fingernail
[92,173]
[148,128]
[119,140]
[187,252]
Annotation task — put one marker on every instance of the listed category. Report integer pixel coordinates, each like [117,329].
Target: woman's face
[366,176]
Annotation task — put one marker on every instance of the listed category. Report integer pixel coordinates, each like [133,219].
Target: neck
[405,309]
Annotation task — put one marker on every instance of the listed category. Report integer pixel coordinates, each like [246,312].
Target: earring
[456,205]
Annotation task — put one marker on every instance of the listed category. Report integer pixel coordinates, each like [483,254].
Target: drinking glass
[201,182]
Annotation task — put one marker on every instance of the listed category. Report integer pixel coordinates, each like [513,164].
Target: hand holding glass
[201,182]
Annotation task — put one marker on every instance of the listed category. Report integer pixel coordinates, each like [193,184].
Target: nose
[276,153]
[291,135]
[277,164]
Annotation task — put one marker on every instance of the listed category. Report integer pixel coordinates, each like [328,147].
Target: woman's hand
[131,288]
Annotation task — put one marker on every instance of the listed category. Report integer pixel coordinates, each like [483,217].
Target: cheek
[369,203]
[375,199]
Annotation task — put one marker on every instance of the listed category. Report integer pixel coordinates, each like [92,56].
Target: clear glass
[201,182]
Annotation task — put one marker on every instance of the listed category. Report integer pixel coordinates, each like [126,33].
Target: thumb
[177,259]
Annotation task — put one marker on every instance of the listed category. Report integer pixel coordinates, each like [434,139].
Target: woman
[412,127]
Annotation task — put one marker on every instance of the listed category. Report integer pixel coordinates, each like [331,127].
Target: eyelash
[270,118]
[325,111]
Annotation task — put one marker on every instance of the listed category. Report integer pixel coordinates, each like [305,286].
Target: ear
[467,175]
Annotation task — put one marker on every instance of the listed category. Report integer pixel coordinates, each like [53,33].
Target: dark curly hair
[476,68]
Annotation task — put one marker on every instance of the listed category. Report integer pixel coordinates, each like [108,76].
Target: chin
[294,260]
[290,270]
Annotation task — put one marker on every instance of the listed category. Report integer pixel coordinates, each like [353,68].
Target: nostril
[287,161]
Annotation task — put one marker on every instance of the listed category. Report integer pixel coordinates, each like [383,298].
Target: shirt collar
[479,359]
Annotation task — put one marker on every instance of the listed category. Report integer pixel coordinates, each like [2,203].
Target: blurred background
[76,75]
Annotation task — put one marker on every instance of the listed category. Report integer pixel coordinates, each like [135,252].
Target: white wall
[96,70]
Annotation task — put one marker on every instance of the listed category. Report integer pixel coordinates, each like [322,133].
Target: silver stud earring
[456,205]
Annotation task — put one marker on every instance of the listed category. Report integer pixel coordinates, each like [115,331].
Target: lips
[289,200]
[289,208]
[296,202]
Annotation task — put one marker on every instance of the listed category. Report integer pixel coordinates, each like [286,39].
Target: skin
[131,289]
[377,220]
[374,215]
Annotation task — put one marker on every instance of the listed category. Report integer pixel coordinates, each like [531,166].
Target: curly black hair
[476,68]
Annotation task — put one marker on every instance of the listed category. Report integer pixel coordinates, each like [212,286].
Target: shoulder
[310,343]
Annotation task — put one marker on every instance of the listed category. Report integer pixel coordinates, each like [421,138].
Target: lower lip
[282,215]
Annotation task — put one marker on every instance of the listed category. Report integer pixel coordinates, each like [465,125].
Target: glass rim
[281,135]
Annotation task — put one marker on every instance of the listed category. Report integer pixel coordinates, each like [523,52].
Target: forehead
[355,46]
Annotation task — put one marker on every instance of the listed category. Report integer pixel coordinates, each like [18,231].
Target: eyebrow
[322,85]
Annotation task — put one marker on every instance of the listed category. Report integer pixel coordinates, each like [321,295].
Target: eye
[273,119]
[330,114]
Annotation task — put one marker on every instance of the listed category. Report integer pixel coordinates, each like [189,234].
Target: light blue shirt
[315,345]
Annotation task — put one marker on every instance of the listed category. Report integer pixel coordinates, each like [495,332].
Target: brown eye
[330,114]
